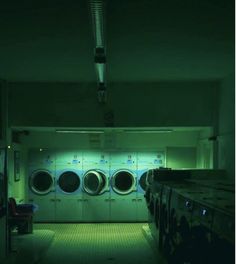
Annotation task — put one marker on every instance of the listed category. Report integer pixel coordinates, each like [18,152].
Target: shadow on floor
[30,248]
[105,243]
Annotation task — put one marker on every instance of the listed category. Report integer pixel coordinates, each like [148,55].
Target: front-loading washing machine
[145,162]
[123,196]
[68,197]
[95,185]
[41,183]
[153,198]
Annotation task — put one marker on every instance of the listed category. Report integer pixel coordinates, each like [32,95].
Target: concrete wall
[17,189]
[180,145]
[3,219]
[181,157]
[181,103]
[3,143]
[113,140]
[205,150]
[226,138]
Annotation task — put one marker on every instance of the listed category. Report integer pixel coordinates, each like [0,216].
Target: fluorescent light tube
[80,131]
[150,131]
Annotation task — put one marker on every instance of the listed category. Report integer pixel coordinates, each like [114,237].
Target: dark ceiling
[146,40]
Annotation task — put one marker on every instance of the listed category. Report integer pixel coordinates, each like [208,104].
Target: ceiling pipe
[97,11]
[97,15]
[100,63]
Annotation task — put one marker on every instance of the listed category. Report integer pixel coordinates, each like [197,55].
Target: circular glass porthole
[142,181]
[41,182]
[149,177]
[123,182]
[69,181]
[94,182]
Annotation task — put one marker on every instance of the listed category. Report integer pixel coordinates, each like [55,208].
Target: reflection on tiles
[84,244]
[98,243]
[30,248]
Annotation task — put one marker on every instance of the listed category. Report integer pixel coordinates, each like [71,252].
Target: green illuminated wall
[17,188]
[3,126]
[179,158]
[205,150]
[226,139]
[180,145]
[112,141]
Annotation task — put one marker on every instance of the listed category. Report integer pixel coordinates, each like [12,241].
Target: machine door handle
[134,200]
[52,200]
[80,200]
[140,200]
[189,205]
[58,200]
[85,200]
[112,200]
[107,200]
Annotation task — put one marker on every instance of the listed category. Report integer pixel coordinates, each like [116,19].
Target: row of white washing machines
[90,186]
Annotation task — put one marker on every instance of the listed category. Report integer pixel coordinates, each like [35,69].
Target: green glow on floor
[98,243]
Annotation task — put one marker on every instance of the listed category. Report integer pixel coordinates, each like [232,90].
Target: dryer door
[94,182]
[123,182]
[41,182]
[143,181]
[69,181]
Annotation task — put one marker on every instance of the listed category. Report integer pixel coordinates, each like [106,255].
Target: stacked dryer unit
[153,201]
[41,181]
[145,162]
[95,183]
[68,198]
[158,203]
[123,207]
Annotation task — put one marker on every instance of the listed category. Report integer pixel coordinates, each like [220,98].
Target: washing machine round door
[94,182]
[123,182]
[69,181]
[143,181]
[149,178]
[41,182]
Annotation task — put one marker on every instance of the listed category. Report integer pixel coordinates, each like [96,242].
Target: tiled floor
[29,248]
[97,243]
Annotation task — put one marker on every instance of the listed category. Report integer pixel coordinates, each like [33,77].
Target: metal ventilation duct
[97,10]
[97,14]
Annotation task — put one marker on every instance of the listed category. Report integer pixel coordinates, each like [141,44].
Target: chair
[17,218]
